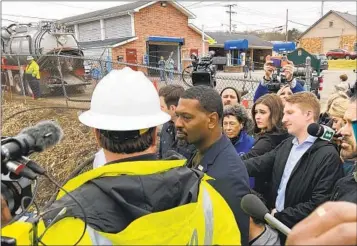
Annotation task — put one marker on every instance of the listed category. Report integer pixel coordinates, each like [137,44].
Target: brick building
[139,32]
[335,30]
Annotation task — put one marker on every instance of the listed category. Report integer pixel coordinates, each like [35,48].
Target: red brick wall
[161,21]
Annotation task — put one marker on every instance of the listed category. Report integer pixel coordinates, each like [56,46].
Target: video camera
[204,70]
[278,79]
[18,172]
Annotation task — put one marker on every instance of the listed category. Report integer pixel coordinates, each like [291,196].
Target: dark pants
[34,85]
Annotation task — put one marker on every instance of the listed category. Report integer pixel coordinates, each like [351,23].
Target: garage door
[330,44]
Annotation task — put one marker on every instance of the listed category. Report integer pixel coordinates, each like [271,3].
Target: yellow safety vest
[209,221]
[33,69]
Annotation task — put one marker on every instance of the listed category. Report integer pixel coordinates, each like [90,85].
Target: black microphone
[321,131]
[32,139]
[255,208]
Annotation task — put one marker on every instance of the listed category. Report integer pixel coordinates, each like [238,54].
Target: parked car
[340,54]
[323,61]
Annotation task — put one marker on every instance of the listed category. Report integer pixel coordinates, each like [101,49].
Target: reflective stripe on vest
[96,238]
[208,212]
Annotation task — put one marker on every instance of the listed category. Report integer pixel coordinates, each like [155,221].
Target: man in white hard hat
[32,77]
[134,198]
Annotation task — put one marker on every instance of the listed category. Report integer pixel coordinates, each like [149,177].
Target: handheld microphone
[321,131]
[32,139]
[255,208]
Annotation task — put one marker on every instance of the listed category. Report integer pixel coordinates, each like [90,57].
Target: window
[331,24]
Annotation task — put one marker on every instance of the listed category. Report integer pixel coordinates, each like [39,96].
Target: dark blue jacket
[242,146]
[231,180]
[262,90]
[244,143]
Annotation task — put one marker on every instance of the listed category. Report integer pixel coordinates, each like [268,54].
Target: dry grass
[77,145]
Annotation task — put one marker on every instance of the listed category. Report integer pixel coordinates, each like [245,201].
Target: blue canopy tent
[284,47]
[236,46]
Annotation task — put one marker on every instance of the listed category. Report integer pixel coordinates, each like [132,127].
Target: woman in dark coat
[267,114]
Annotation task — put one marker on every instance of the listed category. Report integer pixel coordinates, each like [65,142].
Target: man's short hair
[306,100]
[126,142]
[171,94]
[208,98]
[255,220]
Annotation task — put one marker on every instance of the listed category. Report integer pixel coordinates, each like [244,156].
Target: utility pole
[322,8]
[230,12]
[286,25]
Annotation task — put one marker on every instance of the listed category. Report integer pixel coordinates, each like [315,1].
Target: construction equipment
[55,50]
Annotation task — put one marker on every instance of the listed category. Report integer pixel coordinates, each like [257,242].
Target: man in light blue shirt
[303,168]
[295,154]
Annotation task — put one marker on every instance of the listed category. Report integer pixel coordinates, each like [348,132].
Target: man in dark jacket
[199,121]
[169,97]
[304,169]
[346,188]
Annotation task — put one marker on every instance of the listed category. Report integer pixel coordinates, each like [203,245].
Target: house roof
[253,41]
[347,17]
[119,10]
[106,43]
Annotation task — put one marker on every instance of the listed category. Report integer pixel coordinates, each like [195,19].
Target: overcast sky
[263,15]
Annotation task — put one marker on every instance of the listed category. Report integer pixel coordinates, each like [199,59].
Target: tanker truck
[50,45]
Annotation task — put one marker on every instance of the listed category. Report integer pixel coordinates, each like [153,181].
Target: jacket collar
[145,157]
[212,152]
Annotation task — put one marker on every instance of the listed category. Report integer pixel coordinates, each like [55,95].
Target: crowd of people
[212,152]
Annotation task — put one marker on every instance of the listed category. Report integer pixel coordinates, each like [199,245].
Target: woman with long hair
[267,114]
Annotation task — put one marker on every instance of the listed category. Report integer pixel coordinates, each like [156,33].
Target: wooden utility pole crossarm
[230,12]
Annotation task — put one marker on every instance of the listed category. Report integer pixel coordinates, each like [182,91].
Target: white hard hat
[29,58]
[124,100]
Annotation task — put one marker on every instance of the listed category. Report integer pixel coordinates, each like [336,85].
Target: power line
[71,6]
[193,4]
[298,23]
[202,6]
[8,20]
[25,16]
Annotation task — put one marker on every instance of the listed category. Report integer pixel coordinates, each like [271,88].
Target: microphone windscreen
[45,134]
[254,207]
[314,130]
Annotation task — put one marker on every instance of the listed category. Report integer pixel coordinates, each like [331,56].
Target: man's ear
[172,108]
[96,135]
[310,114]
[213,120]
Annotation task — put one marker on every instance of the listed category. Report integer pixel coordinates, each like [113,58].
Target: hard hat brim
[122,123]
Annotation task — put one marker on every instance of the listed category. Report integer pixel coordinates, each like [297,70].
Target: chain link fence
[70,80]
